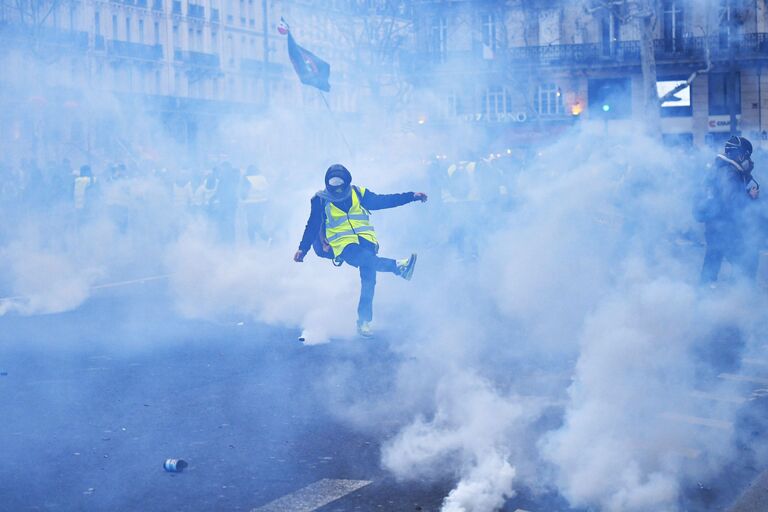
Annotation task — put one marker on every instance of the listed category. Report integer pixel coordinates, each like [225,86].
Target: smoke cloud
[555,335]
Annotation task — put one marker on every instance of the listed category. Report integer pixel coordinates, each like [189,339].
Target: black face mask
[337,188]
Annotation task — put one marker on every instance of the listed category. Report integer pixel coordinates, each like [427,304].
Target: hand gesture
[420,196]
[299,256]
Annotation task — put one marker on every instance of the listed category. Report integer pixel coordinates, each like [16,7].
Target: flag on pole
[312,70]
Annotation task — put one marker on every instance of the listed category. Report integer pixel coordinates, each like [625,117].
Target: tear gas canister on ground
[174,465]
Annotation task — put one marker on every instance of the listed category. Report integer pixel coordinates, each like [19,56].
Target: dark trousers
[732,247]
[745,263]
[254,216]
[363,256]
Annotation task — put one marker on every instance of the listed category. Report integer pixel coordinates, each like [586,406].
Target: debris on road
[175,465]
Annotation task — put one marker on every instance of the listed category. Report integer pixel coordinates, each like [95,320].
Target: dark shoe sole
[408,272]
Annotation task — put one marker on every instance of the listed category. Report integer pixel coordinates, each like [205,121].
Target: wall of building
[188,59]
[564,30]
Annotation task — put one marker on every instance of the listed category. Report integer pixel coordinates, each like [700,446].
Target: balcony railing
[176,7]
[214,15]
[197,59]
[157,5]
[44,36]
[138,51]
[196,11]
[620,53]
[392,8]
[141,3]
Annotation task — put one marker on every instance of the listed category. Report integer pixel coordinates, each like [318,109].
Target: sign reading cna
[722,123]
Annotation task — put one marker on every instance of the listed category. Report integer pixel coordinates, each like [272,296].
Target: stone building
[523,70]
[189,63]
[511,71]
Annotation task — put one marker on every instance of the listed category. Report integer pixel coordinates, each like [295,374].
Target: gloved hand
[420,196]
[299,256]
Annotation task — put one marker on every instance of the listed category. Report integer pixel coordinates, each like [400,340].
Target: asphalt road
[93,401]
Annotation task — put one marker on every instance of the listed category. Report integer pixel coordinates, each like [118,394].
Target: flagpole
[336,124]
[312,71]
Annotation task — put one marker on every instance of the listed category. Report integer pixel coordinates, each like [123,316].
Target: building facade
[188,63]
[510,71]
[543,65]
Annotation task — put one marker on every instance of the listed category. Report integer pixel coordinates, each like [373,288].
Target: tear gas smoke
[575,292]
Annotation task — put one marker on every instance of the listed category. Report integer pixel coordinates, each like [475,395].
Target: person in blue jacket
[725,209]
[339,221]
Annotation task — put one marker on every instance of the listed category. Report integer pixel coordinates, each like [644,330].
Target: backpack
[320,245]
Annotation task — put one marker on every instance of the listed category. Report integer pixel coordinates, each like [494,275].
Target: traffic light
[610,98]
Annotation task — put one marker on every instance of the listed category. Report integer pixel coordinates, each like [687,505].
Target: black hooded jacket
[724,203]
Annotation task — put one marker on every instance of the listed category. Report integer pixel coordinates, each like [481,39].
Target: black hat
[338,182]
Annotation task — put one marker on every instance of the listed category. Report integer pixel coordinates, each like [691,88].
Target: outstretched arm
[311,229]
[372,201]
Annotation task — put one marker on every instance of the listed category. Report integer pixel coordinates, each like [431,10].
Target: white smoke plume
[598,263]
[470,432]
[582,297]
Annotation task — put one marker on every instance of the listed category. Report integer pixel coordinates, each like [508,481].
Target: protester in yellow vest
[83,182]
[254,189]
[340,219]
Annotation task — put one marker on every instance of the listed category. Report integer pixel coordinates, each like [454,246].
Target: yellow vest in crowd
[342,228]
[461,186]
[182,195]
[257,190]
[81,185]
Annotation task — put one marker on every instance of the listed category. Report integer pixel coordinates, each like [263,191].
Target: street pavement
[93,401]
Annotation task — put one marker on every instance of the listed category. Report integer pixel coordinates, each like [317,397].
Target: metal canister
[174,465]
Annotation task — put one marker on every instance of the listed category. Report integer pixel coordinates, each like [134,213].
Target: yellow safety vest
[257,191]
[342,228]
[81,185]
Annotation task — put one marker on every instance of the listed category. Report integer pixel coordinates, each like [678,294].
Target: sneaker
[405,267]
[364,329]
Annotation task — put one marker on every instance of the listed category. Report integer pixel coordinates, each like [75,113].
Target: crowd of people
[67,196]
[236,201]
[62,194]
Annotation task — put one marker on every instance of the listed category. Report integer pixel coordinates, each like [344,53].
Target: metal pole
[336,124]
[760,102]
[732,95]
[265,71]
[732,71]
